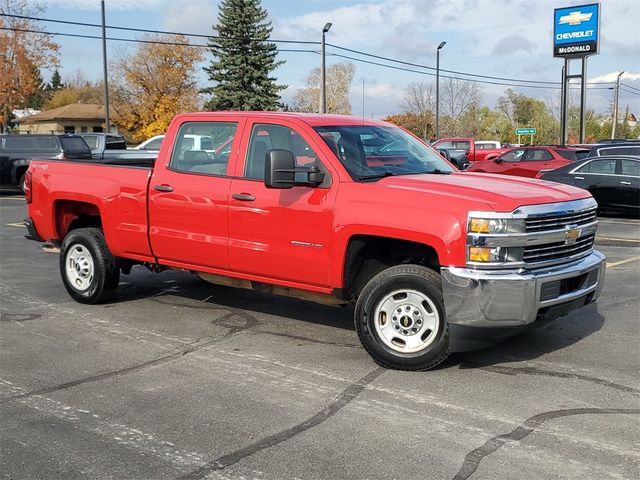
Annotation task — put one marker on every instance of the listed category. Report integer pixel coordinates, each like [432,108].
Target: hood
[502,193]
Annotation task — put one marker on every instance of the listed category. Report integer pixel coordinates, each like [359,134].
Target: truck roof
[312,119]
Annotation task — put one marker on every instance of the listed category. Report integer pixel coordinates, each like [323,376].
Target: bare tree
[458,96]
[419,101]
[339,78]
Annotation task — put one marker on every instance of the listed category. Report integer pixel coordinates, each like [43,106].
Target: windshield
[370,152]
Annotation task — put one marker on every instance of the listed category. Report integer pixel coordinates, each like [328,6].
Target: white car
[189,142]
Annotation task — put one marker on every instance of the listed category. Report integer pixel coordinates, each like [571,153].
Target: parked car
[463,151]
[16,151]
[526,161]
[614,181]
[196,142]
[618,148]
[435,260]
[108,146]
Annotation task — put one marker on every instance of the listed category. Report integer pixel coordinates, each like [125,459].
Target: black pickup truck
[17,150]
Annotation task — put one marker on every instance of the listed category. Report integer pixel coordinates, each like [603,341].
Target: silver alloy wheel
[407,321]
[80,270]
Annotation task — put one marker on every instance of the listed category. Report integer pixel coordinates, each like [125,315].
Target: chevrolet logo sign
[571,235]
[575,18]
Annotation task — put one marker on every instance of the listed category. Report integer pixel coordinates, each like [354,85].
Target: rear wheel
[21,183]
[89,271]
[400,318]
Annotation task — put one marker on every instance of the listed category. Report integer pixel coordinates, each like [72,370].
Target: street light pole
[104,67]
[442,44]
[614,127]
[323,73]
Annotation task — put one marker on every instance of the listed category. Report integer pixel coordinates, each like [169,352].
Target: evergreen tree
[56,82]
[38,95]
[243,59]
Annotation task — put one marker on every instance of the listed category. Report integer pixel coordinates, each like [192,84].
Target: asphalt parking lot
[179,379]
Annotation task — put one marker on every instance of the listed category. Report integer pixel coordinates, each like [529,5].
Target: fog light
[480,254]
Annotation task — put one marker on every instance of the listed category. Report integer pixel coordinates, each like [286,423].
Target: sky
[507,38]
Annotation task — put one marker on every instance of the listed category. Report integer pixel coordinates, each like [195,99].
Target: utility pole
[104,67]
[442,44]
[614,126]
[323,72]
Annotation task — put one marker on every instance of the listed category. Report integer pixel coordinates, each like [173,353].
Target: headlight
[496,225]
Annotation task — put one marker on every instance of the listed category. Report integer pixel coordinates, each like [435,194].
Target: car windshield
[371,152]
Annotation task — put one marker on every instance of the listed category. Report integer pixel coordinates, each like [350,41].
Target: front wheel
[400,318]
[88,269]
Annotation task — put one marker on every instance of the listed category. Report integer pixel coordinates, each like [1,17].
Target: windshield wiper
[377,176]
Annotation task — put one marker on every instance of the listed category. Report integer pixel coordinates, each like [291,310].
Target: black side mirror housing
[280,171]
[498,160]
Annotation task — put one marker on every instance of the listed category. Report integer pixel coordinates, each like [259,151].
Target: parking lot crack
[474,457]
[507,370]
[174,354]
[338,403]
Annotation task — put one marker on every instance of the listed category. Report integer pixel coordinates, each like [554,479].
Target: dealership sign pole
[576,35]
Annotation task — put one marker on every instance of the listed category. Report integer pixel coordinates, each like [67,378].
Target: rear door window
[74,144]
[186,158]
[538,155]
[607,167]
[630,168]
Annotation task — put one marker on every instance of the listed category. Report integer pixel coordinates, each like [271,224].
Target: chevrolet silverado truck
[434,260]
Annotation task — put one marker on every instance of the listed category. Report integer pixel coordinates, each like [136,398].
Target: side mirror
[498,160]
[280,171]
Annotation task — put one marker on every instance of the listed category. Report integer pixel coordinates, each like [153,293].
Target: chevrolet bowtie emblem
[575,18]
[572,235]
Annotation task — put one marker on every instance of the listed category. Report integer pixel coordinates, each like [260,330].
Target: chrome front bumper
[494,298]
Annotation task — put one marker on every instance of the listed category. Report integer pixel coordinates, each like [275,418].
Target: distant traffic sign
[526,131]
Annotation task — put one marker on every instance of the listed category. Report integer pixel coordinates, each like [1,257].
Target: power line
[458,78]
[630,86]
[143,30]
[442,69]
[132,40]
[631,92]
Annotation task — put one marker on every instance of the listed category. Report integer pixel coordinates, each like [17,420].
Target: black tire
[21,183]
[414,278]
[95,284]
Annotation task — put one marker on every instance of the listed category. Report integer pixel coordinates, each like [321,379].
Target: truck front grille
[558,250]
[542,223]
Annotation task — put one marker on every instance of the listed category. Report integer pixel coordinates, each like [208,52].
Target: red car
[527,161]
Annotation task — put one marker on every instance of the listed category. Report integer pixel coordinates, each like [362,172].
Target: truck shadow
[530,345]
[183,290]
[188,291]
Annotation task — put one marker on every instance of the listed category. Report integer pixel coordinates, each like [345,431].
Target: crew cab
[463,151]
[527,161]
[434,260]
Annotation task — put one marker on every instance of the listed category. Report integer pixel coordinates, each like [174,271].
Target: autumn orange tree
[22,54]
[155,83]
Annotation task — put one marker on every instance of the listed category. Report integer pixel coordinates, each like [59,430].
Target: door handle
[625,183]
[579,178]
[244,197]
[163,188]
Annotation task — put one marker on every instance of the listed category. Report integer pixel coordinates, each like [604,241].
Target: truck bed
[117,186]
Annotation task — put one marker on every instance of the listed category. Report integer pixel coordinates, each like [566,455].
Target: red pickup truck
[463,151]
[433,259]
